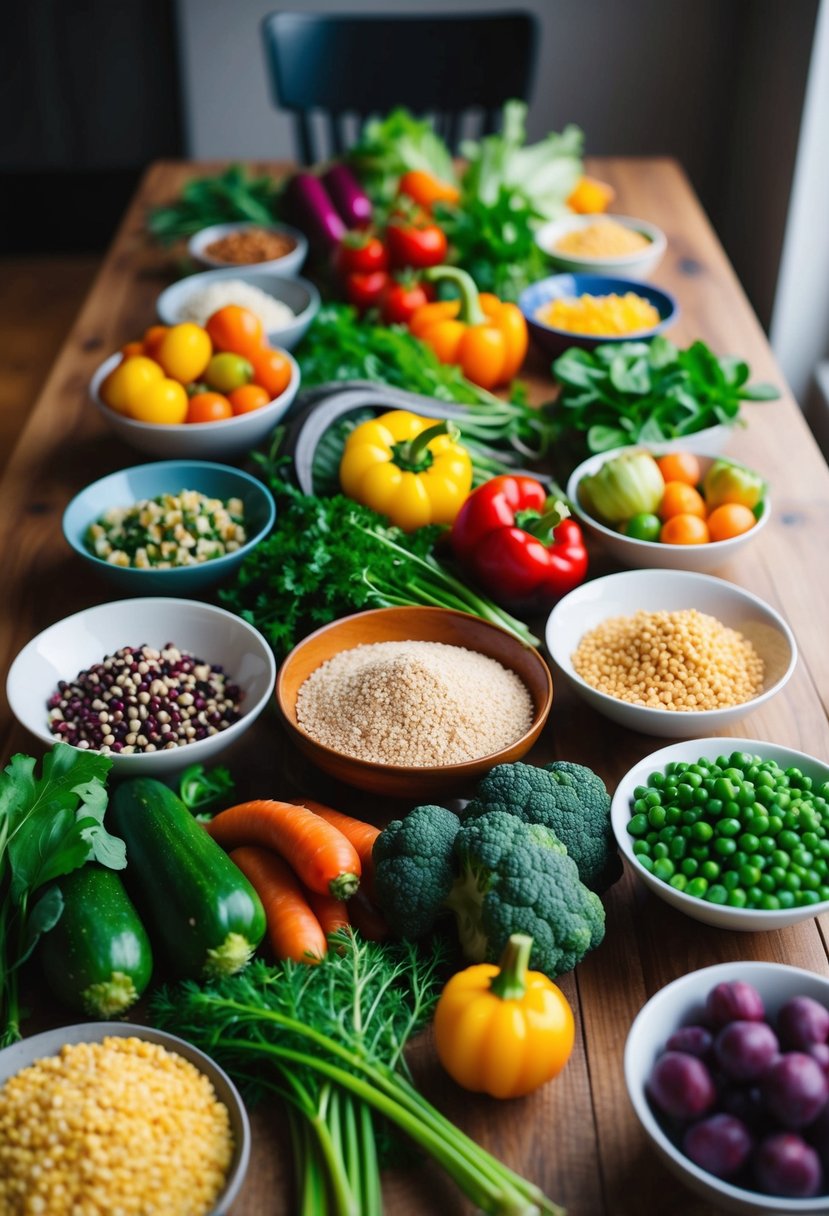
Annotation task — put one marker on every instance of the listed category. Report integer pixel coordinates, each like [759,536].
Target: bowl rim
[571,223]
[620,284]
[650,1124]
[215,563]
[217,273]
[96,1031]
[187,428]
[656,546]
[714,744]
[216,231]
[372,766]
[651,713]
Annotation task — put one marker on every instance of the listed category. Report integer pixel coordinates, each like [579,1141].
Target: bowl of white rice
[286,307]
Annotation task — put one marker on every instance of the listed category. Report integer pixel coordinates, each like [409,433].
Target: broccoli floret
[515,877]
[414,869]
[567,798]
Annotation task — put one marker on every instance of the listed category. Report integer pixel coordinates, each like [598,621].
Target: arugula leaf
[44,916]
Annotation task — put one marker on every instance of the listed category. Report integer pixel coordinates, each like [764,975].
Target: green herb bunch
[204,201]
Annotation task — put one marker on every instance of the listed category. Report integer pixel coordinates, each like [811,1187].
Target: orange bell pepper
[485,335]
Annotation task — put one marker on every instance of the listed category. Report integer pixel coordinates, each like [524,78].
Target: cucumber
[198,906]
[97,959]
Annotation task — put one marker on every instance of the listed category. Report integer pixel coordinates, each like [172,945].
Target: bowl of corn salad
[603,244]
[70,1095]
[169,528]
[587,310]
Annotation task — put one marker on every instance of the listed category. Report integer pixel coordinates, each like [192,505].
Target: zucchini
[199,908]
[97,958]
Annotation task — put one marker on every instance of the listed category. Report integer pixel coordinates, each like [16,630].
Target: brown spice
[249,245]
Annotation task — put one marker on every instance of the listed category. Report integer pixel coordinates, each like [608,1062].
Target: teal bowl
[170,477]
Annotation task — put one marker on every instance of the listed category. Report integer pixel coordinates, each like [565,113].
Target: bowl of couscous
[183,1149]
[588,310]
[670,652]
[603,244]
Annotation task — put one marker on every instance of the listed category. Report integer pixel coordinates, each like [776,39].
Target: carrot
[367,919]
[331,913]
[362,836]
[320,854]
[293,929]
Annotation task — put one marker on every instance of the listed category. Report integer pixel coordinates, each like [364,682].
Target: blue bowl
[170,477]
[564,286]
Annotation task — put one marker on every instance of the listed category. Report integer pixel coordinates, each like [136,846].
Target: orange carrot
[367,919]
[321,856]
[293,929]
[362,836]
[331,913]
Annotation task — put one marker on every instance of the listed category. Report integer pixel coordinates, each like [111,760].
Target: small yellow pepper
[407,468]
[503,1030]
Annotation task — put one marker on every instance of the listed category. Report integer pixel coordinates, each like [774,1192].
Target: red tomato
[235,329]
[249,397]
[271,371]
[416,243]
[208,407]
[366,290]
[360,252]
[401,301]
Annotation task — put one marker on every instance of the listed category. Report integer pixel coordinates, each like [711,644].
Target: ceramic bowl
[224,440]
[639,265]
[21,1055]
[670,590]
[689,752]
[288,265]
[646,554]
[80,641]
[411,624]
[299,295]
[553,341]
[147,481]
[679,1004]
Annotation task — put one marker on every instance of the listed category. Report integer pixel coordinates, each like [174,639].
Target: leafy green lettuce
[389,147]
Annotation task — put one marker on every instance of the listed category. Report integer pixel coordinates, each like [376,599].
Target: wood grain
[578,1137]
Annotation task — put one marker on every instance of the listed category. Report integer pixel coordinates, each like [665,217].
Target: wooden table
[578,1137]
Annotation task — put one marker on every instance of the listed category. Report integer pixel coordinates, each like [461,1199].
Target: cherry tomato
[366,290]
[731,519]
[679,498]
[226,371]
[271,371]
[131,350]
[642,527]
[684,530]
[360,252]
[249,397]
[127,381]
[236,329]
[208,407]
[402,300]
[164,402]
[426,189]
[680,466]
[416,243]
[184,352]
[152,339]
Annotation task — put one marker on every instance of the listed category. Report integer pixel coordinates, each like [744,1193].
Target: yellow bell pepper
[407,468]
[503,1030]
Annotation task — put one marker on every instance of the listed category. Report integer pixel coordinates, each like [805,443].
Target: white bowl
[299,295]
[39,1046]
[721,916]
[670,590]
[639,265]
[79,642]
[288,265]
[679,1004]
[647,554]
[224,440]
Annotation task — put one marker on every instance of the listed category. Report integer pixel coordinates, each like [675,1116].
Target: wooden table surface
[577,1137]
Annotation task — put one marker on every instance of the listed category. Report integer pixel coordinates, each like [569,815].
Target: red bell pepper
[517,543]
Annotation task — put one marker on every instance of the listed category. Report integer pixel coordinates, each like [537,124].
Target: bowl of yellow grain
[182,1149]
[603,244]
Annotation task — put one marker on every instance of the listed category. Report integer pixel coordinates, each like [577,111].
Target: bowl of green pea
[732,832]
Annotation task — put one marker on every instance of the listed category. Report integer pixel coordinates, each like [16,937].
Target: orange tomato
[248,397]
[131,350]
[680,466]
[271,370]
[684,530]
[153,337]
[426,189]
[731,519]
[236,329]
[208,407]
[678,498]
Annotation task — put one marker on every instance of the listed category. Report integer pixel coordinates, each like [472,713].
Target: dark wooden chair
[332,71]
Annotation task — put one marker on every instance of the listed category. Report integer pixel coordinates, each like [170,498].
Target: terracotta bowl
[406,625]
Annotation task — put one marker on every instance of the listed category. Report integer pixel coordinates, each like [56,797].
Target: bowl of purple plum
[728,1072]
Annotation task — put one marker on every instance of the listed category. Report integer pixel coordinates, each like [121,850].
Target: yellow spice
[117,1128]
[607,316]
[604,239]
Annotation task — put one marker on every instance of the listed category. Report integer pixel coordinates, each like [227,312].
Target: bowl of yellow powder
[670,652]
[413,702]
[603,244]
[587,310]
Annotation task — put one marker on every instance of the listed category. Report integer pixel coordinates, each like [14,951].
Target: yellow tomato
[163,401]
[184,352]
[127,381]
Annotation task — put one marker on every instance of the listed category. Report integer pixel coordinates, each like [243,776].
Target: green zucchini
[97,958]
[198,906]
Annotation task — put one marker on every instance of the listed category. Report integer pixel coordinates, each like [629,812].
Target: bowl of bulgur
[413,702]
[670,652]
[109,1117]
[277,247]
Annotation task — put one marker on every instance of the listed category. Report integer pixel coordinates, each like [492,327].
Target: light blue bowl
[170,477]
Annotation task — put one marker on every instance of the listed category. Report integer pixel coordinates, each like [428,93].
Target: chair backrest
[333,71]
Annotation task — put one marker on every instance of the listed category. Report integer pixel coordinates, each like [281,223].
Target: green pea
[677,848]
[749,875]
[737,898]
[660,850]
[730,880]
[748,842]
[710,870]
[657,780]
[699,851]
[700,797]
[767,844]
[792,881]
[725,846]
[745,795]
[652,837]
[802,856]
[663,868]
[729,827]
[693,779]
[808,896]
[724,789]
[781,858]
[646,862]
[653,798]
[689,867]
[714,806]
[656,816]
[638,825]
[667,833]
[778,876]
[786,899]
[701,831]
[769,902]
[697,887]
[641,791]
[678,881]
[684,795]
[775,824]
[691,815]
[788,840]
[766,883]
[716,894]
[673,814]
